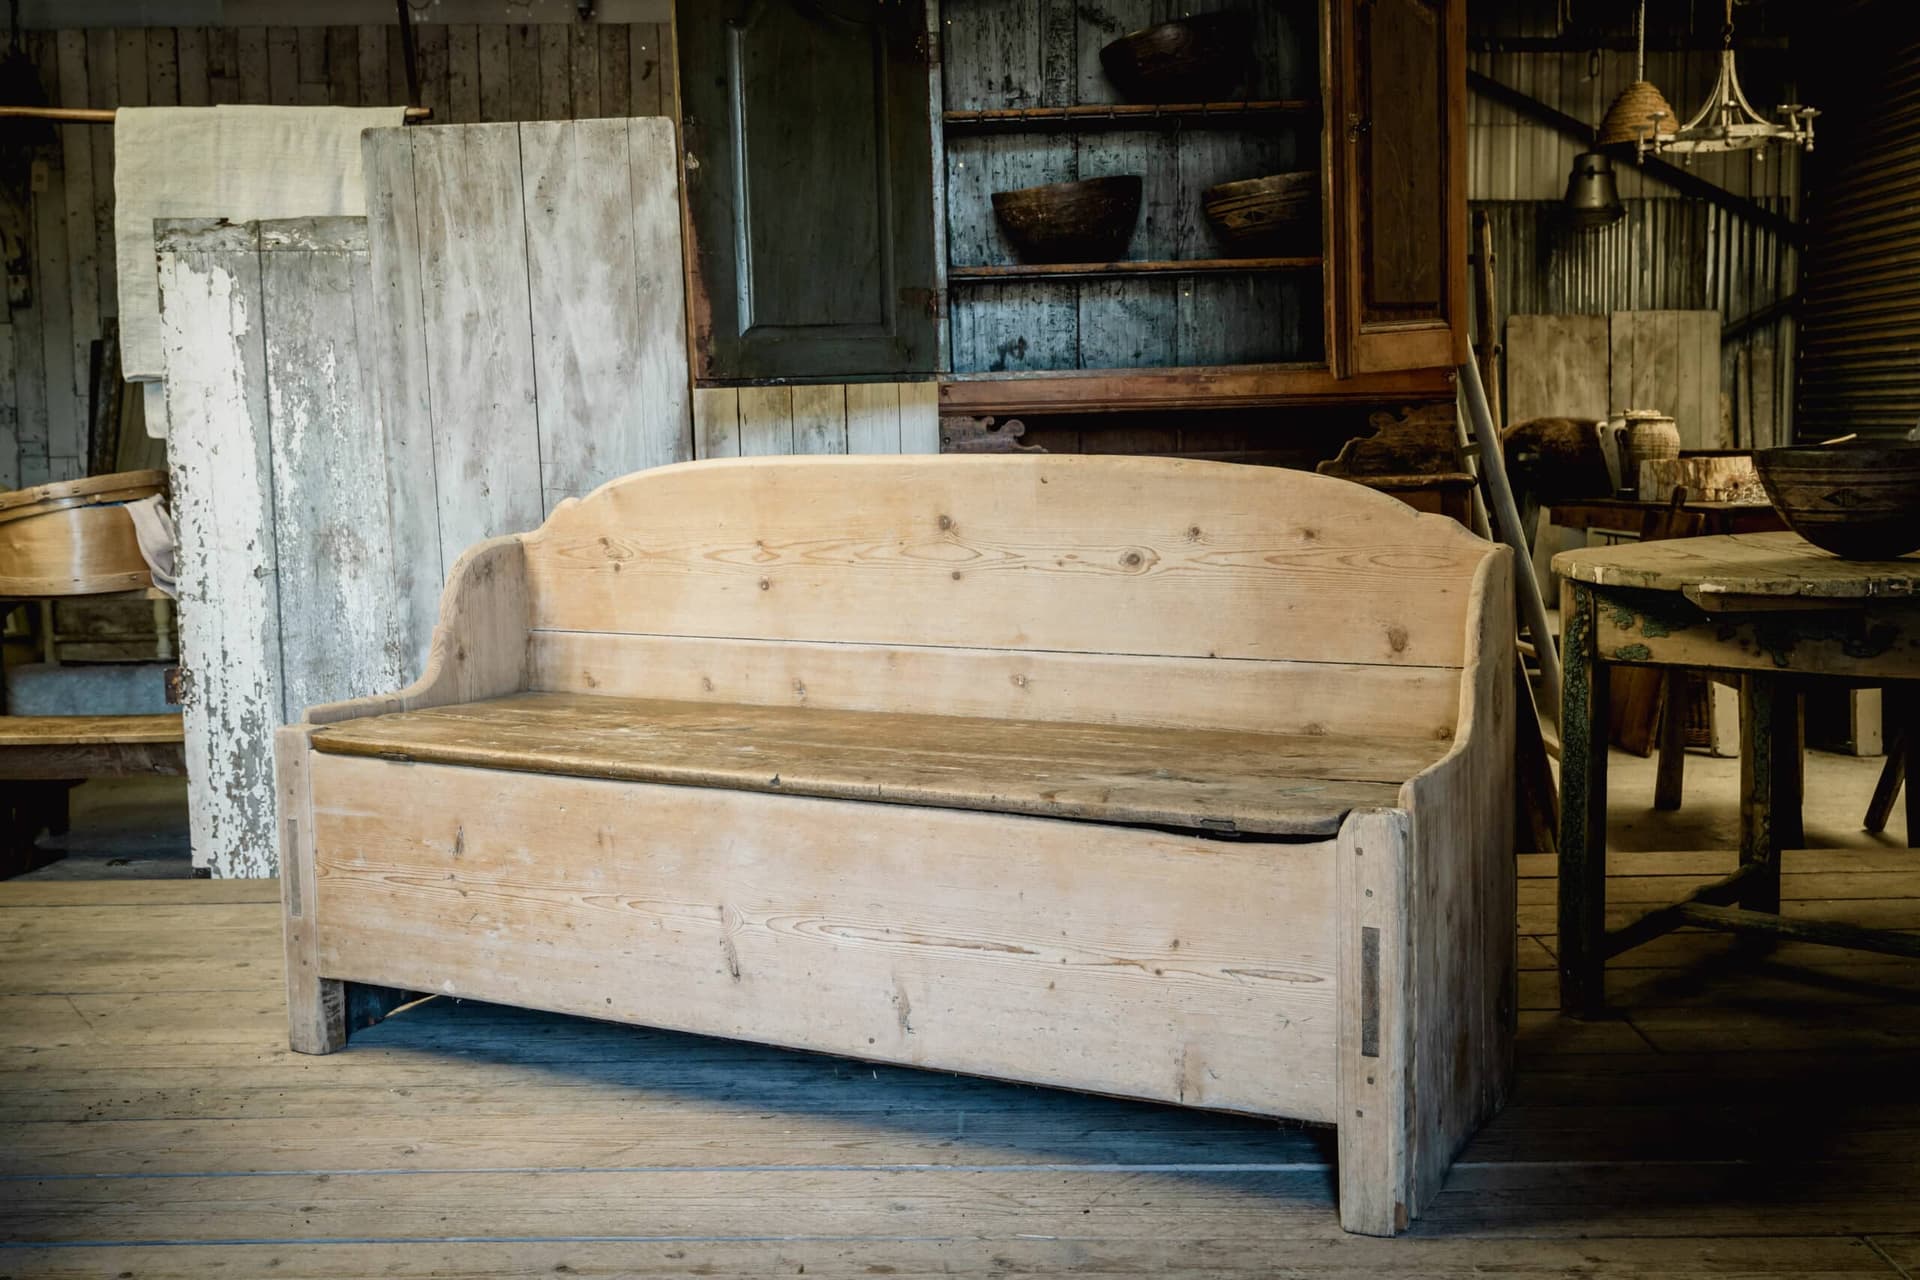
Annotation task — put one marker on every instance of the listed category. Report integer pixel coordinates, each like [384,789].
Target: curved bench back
[1209,570]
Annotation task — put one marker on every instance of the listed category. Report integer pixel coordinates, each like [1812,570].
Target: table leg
[1901,707]
[1769,784]
[1583,808]
[1669,780]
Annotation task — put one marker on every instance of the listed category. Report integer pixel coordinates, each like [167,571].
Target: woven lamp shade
[1630,118]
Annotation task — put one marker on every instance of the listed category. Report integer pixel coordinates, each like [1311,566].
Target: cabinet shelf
[1092,116]
[1111,270]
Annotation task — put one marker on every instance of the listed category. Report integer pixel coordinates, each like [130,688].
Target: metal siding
[1860,331]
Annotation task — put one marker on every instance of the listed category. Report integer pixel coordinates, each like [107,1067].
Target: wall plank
[480,364]
[401,382]
[601,413]
[340,632]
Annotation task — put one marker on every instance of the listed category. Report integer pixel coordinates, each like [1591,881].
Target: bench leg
[316,1006]
[1374,890]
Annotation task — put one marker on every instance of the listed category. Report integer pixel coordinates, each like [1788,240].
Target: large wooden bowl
[73,538]
[1086,221]
[1274,216]
[1860,500]
[1204,58]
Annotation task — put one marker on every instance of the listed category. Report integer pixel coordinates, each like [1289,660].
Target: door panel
[1398,140]
[809,186]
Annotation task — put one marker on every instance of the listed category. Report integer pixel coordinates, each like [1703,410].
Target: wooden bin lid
[118,486]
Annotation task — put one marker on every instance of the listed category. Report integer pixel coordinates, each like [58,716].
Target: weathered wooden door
[810,185]
[1396,133]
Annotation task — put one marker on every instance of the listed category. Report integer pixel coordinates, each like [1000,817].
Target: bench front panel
[1122,961]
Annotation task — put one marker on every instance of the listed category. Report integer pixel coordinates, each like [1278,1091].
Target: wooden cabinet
[825,248]
[809,186]
[1397,118]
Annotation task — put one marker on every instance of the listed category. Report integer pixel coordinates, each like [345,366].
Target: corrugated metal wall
[1669,252]
[1860,340]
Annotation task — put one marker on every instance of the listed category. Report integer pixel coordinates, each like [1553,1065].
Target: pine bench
[1179,781]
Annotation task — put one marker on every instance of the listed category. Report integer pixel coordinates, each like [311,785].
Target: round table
[1777,612]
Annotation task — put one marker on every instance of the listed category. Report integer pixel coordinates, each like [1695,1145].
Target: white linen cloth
[153,530]
[233,162]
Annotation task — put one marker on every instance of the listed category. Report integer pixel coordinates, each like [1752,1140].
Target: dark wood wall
[56,201]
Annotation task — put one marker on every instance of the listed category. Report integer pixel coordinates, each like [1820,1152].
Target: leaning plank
[211,335]
[397,328]
[341,633]
[594,422]
[480,369]
[899,933]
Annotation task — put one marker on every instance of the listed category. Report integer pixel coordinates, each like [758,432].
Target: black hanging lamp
[1593,197]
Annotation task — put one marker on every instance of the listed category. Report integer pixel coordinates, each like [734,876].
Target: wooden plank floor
[1743,1117]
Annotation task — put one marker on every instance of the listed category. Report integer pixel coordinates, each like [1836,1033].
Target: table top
[1752,567]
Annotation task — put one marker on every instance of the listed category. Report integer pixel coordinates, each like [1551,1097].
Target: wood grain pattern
[1086,688]
[1778,566]
[1203,780]
[743,924]
[52,731]
[1463,1002]
[1098,555]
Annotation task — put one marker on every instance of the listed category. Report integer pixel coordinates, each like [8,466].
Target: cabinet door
[1396,135]
[809,187]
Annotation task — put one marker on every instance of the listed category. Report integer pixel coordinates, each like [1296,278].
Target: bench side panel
[1074,554]
[1121,961]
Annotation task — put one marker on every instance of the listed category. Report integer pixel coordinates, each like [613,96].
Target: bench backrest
[1123,589]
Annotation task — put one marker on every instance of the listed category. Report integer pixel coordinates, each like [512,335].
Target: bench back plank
[1067,555]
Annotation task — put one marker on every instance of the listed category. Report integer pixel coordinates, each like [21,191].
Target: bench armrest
[479,644]
[1444,959]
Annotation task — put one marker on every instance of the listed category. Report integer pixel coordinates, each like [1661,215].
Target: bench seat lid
[1204,780]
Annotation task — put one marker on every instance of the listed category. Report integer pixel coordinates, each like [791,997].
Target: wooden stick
[105,115]
[1506,519]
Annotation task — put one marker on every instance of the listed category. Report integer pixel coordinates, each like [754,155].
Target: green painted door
[810,187]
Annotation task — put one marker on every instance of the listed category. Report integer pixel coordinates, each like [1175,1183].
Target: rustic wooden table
[1628,515]
[1774,610]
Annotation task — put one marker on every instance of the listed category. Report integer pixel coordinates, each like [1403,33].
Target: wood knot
[1131,559]
[765,585]
[956,575]
[1397,639]
[946,523]
[1193,533]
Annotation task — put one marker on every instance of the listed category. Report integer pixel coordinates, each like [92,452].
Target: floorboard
[1744,1115]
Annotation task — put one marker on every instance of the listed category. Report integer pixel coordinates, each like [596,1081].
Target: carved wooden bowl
[1086,221]
[1860,500]
[1274,216]
[1204,58]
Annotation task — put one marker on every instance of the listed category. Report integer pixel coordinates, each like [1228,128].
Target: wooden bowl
[1086,221]
[73,538]
[1275,216]
[1204,58]
[1860,500]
